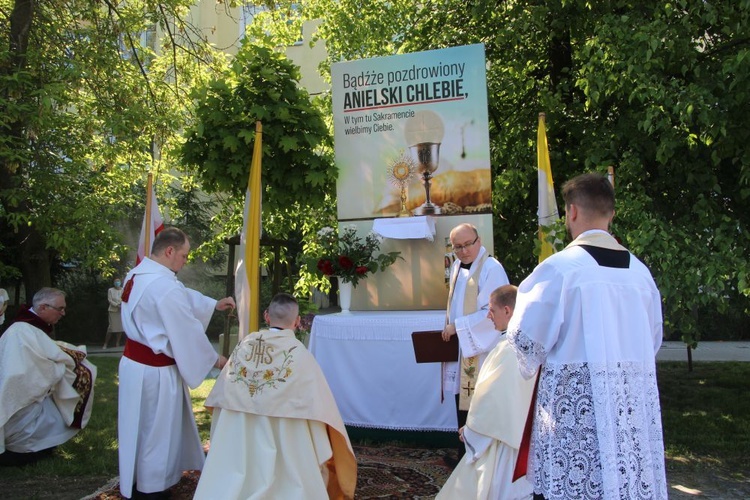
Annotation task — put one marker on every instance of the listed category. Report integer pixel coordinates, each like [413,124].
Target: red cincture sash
[522,461]
[144,355]
[127,289]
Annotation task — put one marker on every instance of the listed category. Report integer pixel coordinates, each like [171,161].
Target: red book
[429,347]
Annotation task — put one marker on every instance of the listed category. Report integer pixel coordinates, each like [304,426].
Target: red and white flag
[152,223]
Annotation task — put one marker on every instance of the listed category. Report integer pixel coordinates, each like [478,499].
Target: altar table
[368,360]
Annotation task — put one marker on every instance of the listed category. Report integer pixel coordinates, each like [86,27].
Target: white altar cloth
[404,228]
[368,360]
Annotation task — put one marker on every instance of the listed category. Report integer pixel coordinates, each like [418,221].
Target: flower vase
[345,296]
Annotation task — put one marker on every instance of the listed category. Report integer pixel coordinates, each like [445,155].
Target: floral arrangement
[350,257]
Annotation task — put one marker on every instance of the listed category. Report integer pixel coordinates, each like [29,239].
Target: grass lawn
[706,415]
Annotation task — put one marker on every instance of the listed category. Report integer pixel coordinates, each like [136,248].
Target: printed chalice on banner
[424,132]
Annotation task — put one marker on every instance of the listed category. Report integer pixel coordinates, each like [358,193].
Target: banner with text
[411,134]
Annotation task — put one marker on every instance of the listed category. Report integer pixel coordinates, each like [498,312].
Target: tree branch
[113,8]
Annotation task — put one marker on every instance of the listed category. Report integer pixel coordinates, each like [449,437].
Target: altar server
[166,352]
[46,387]
[589,317]
[496,420]
[276,431]
[474,275]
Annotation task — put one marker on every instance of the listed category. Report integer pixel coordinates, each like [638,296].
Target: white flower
[372,235]
[325,231]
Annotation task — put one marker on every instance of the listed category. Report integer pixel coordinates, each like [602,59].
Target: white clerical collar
[597,238]
[593,231]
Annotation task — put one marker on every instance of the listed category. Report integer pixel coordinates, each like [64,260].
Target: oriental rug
[384,472]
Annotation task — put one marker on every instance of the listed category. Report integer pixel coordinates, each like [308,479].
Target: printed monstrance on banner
[407,115]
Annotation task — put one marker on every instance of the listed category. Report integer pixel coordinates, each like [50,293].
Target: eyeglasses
[458,248]
[58,309]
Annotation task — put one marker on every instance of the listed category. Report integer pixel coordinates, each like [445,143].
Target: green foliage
[261,85]
[655,89]
[89,103]
[298,173]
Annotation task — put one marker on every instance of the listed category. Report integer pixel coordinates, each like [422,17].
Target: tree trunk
[20,25]
[34,258]
[35,263]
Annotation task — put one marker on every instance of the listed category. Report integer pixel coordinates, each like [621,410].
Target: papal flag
[246,275]
[152,223]
[547,213]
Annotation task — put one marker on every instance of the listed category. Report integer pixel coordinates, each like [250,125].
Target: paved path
[670,351]
[706,351]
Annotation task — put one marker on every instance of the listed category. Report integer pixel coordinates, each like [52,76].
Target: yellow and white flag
[547,213]
[246,275]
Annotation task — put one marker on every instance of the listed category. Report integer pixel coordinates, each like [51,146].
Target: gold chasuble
[271,374]
[468,367]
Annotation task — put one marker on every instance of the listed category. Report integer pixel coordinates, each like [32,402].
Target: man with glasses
[474,275]
[46,386]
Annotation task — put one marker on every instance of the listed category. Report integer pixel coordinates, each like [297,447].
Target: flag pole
[149,196]
[547,214]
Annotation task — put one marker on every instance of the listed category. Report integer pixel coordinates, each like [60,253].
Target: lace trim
[603,447]
[532,354]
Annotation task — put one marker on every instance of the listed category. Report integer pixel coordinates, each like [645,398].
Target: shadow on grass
[706,414]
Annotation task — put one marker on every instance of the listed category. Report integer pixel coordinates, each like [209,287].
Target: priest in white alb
[588,319]
[496,420]
[473,276]
[166,352]
[46,386]
[276,431]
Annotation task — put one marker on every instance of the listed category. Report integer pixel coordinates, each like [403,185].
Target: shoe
[159,495]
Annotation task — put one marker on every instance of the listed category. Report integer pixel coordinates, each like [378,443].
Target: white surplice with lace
[595,331]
